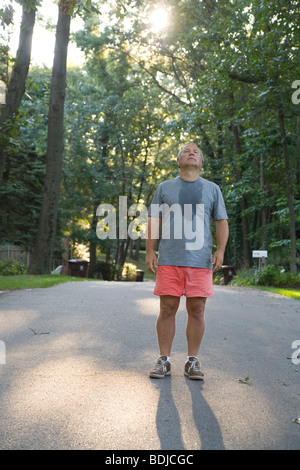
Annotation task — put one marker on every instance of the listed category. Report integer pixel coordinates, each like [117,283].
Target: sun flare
[158,19]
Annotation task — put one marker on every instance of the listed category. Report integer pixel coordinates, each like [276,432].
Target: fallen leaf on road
[244,381]
[297,420]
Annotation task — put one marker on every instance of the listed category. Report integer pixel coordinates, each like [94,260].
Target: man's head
[190,154]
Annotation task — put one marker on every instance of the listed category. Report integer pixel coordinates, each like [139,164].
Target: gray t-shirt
[186,209]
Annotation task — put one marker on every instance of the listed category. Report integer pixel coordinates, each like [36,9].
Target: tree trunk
[243,202]
[298,161]
[123,249]
[16,86]
[92,244]
[102,149]
[65,257]
[263,209]
[41,260]
[137,249]
[290,196]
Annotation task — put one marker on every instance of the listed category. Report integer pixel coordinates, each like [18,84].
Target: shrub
[245,277]
[113,272]
[129,272]
[10,267]
[109,271]
[270,275]
[288,279]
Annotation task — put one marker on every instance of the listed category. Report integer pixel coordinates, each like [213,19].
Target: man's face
[190,156]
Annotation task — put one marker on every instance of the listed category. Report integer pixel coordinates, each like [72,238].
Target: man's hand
[151,240]
[151,261]
[222,237]
[218,260]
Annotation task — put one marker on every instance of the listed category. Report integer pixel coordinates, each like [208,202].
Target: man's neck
[189,174]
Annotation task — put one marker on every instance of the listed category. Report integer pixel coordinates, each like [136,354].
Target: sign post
[262,255]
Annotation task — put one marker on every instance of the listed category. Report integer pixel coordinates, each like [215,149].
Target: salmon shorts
[181,280]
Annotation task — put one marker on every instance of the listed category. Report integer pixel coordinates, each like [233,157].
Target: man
[182,208]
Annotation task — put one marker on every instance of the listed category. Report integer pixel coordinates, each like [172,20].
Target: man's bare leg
[195,324]
[166,323]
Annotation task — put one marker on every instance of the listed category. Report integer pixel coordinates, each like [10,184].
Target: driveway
[77,360]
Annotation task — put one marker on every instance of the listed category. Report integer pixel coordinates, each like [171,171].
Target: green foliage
[219,67]
[108,271]
[29,4]
[10,267]
[6,15]
[270,275]
[129,272]
[20,197]
[83,7]
[3,63]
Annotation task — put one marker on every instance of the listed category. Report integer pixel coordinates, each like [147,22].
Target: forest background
[153,76]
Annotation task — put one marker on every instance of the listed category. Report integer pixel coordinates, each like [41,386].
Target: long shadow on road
[85,385]
[172,424]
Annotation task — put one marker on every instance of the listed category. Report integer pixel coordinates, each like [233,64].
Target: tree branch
[246,78]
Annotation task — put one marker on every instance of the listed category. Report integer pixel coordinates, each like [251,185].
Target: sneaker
[161,369]
[192,369]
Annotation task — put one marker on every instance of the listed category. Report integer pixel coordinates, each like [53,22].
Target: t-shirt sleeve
[219,210]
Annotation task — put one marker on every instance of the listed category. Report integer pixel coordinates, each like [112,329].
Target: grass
[288,292]
[24,281]
[271,278]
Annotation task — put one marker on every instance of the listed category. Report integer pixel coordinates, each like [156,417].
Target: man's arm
[222,233]
[151,239]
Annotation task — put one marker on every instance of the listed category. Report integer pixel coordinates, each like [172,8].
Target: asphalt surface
[77,362]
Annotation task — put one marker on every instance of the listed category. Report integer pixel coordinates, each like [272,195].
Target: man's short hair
[189,143]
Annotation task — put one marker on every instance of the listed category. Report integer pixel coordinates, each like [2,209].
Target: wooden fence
[14,252]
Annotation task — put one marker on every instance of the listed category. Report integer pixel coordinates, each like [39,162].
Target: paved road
[77,362]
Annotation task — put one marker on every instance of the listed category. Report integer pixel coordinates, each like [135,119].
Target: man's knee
[196,306]
[168,305]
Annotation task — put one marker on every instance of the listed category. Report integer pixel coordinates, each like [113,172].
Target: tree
[41,259]
[16,85]
[21,198]
[113,129]
[277,47]
[220,75]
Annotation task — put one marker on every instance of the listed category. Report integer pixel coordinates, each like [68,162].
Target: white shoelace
[161,364]
[195,365]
